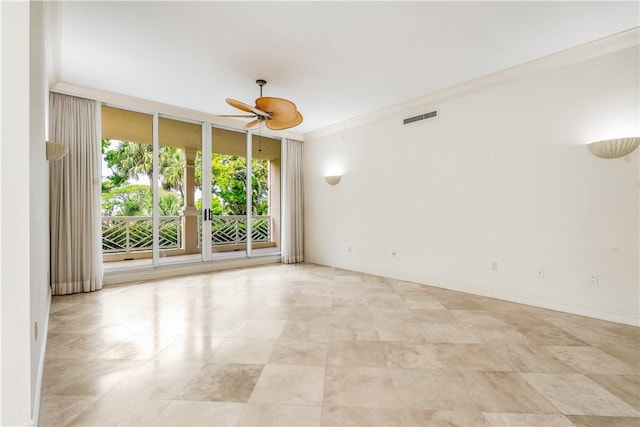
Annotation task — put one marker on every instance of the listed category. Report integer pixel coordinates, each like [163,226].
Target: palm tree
[172,169]
[131,159]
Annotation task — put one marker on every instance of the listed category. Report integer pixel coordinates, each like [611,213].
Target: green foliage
[229,175]
[130,160]
[136,200]
[127,200]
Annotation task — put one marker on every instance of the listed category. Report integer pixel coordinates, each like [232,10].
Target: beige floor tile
[628,352]
[121,412]
[204,414]
[450,418]
[191,348]
[496,334]
[401,354]
[422,301]
[268,313]
[392,330]
[158,379]
[590,360]
[501,419]
[139,347]
[449,333]
[382,417]
[398,314]
[476,357]
[313,301]
[244,350]
[356,353]
[624,387]
[528,358]
[57,306]
[520,318]
[505,392]
[287,352]
[261,328]
[346,330]
[80,346]
[222,383]
[432,315]
[549,335]
[349,301]
[455,300]
[289,384]
[596,421]
[575,394]
[192,326]
[85,377]
[309,328]
[256,414]
[388,417]
[364,387]
[350,315]
[477,318]
[593,332]
[436,389]
[57,411]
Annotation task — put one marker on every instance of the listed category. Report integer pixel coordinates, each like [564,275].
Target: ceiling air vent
[420,117]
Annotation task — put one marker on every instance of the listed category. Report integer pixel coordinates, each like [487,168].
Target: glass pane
[228,193]
[127,164]
[265,197]
[180,144]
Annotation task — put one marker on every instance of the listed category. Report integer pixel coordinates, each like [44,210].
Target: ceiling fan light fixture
[275,113]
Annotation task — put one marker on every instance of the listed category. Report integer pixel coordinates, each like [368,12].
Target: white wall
[14,229]
[38,200]
[501,175]
[24,240]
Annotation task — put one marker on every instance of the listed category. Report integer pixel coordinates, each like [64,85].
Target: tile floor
[306,345]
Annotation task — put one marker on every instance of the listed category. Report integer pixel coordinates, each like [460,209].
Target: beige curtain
[292,202]
[74,193]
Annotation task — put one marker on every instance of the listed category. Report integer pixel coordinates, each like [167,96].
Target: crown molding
[150,107]
[563,58]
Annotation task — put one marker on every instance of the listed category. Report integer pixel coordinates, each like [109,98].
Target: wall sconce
[332,179]
[614,148]
[56,151]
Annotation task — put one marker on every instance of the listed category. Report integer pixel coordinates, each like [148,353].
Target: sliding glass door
[127,178]
[178,194]
[227,214]
[178,191]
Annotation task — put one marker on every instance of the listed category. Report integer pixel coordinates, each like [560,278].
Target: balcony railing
[232,229]
[135,233]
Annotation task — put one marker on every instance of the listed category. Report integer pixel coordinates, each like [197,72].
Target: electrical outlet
[540,272]
[349,249]
[494,266]
[594,279]
[393,253]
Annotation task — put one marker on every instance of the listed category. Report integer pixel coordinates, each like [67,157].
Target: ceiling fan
[275,113]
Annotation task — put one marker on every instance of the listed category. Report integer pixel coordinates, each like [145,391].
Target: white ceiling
[335,60]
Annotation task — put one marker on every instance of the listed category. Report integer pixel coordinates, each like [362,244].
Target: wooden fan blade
[278,125]
[246,116]
[246,107]
[280,109]
[254,124]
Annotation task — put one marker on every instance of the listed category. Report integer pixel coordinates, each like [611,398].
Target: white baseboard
[35,413]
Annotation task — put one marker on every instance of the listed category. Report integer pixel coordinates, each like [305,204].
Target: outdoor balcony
[131,237]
